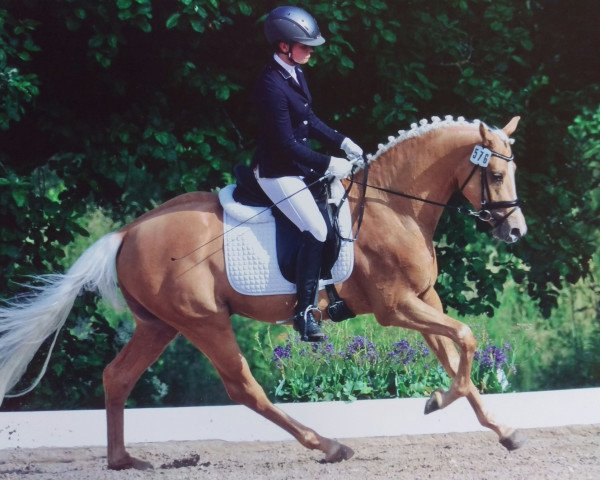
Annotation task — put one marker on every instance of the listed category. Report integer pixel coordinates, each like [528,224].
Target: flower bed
[358,367]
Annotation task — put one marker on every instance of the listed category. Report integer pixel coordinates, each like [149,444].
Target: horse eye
[497,177]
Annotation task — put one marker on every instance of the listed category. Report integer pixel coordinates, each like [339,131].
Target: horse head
[494,193]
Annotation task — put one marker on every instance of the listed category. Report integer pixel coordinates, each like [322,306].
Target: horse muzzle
[511,228]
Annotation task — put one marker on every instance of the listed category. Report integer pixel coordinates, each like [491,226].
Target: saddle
[253,210]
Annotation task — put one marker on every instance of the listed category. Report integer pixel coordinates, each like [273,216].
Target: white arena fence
[366,418]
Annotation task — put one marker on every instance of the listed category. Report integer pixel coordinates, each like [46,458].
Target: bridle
[480,158]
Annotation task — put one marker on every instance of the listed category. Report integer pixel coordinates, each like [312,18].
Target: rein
[484,214]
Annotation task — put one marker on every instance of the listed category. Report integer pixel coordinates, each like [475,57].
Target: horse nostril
[515,232]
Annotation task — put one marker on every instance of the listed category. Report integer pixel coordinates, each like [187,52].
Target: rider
[284,163]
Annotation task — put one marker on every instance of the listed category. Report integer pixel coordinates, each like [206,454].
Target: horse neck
[428,167]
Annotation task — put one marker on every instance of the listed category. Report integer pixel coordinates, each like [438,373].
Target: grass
[556,352]
[362,360]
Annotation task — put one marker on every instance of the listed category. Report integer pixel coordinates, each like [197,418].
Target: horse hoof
[515,440]
[434,402]
[130,462]
[339,453]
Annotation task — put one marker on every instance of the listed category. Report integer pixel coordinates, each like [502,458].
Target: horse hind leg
[147,343]
[217,341]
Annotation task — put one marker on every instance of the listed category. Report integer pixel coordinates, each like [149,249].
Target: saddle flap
[251,259]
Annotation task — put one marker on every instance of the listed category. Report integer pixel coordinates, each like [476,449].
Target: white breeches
[294,199]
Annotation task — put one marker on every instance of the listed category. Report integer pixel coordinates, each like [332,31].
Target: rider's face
[300,53]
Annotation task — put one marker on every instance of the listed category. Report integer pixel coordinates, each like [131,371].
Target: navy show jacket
[287,121]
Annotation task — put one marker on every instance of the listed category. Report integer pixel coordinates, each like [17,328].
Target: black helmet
[292,25]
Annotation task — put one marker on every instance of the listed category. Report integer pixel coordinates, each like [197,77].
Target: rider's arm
[323,132]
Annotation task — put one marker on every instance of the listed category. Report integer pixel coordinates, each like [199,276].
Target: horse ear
[511,126]
[485,135]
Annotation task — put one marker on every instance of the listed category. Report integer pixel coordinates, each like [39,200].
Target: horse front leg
[415,314]
[219,344]
[446,352]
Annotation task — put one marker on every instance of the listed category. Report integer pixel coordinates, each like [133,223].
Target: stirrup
[307,325]
[312,308]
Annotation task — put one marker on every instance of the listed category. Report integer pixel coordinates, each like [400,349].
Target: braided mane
[423,127]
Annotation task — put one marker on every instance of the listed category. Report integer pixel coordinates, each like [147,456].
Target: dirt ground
[553,453]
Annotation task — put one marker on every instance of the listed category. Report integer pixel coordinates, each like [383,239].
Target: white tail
[26,321]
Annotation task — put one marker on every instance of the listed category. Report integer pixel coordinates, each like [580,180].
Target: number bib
[481,156]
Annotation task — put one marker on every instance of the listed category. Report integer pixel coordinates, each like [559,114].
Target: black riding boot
[308,268]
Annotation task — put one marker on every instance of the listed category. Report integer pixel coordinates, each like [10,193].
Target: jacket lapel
[299,87]
[303,83]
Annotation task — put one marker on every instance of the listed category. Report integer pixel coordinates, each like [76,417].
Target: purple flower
[403,352]
[326,349]
[487,358]
[492,357]
[361,346]
[281,353]
[500,357]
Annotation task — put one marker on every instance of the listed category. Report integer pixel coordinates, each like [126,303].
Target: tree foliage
[122,104]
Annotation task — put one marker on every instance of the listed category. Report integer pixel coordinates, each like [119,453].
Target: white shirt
[291,69]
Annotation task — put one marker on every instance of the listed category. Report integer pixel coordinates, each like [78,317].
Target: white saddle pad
[250,254]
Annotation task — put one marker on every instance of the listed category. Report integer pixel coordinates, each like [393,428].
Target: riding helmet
[292,25]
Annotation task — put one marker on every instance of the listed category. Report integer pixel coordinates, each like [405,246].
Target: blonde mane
[423,127]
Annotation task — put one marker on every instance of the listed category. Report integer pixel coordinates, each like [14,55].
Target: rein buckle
[483,215]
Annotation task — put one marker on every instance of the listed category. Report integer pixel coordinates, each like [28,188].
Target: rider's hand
[352,150]
[339,167]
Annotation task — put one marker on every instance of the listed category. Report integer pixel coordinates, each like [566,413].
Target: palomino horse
[394,275]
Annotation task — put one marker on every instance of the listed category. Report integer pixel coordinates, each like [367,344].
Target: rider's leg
[296,202]
[308,270]
[293,198]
